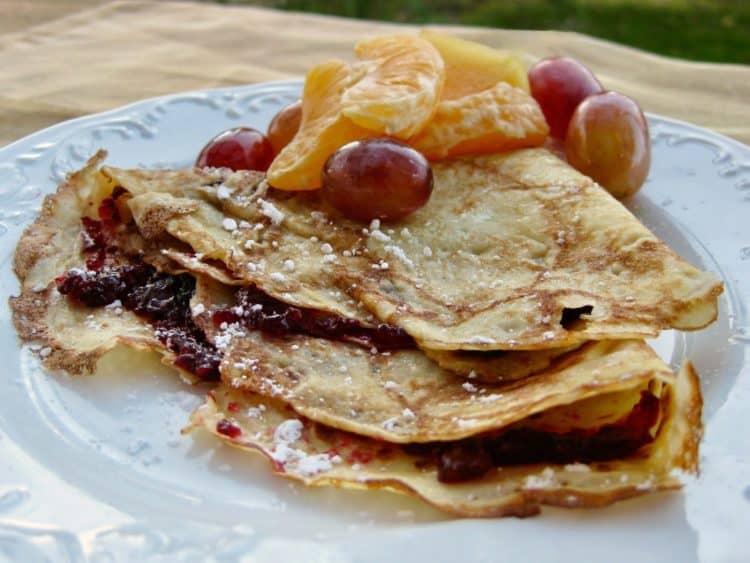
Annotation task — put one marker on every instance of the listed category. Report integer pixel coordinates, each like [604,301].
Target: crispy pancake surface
[316,455]
[512,251]
[508,243]
[403,396]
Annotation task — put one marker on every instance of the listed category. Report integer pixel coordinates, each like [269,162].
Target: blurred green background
[703,30]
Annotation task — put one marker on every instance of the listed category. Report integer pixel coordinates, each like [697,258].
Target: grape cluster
[605,133]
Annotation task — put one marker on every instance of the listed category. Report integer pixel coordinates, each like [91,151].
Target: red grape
[284,126]
[559,84]
[241,148]
[608,140]
[377,178]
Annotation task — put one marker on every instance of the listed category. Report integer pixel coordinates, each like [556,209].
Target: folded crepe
[512,251]
[314,454]
[403,396]
[71,239]
[602,422]
[135,258]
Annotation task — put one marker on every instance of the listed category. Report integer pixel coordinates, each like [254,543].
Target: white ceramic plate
[95,468]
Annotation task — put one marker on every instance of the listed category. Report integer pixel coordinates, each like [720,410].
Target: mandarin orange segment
[471,67]
[401,84]
[498,119]
[323,129]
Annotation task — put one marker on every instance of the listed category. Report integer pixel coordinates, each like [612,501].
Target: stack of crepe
[485,354]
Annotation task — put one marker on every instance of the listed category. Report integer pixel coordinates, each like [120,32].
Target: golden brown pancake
[496,366]
[229,217]
[315,455]
[513,251]
[403,396]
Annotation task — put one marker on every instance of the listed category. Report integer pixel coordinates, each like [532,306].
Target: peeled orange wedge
[494,120]
[444,96]
[472,67]
[484,107]
[402,82]
[323,129]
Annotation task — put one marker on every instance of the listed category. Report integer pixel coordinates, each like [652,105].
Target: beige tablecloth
[119,52]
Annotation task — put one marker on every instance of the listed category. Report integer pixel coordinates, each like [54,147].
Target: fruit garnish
[559,84]
[447,98]
[377,178]
[241,148]
[284,126]
[472,67]
[402,78]
[494,120]
[322,130]
[396,89]
[608,140]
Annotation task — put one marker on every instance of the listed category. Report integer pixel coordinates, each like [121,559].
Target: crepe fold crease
[405,397]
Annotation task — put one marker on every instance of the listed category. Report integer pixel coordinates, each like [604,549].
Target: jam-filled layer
[259,311]
[164,300]
[473,457]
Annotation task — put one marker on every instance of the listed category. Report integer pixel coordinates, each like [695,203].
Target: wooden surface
[61,59]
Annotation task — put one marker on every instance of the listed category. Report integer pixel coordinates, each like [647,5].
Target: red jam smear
[94,245]
[472,458]
[228,428]
[259,311]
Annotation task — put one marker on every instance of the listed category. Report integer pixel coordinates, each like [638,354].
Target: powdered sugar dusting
[314,464]
[286,434]
[479,340]
[271,211]
[227,332]
[229,224]
[399,253]
[542,480]
[288,431]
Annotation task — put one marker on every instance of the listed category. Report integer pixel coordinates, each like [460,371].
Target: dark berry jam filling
[259,311]
[162,299]
[473,457]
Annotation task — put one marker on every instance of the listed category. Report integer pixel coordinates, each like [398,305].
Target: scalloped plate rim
[16,148]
